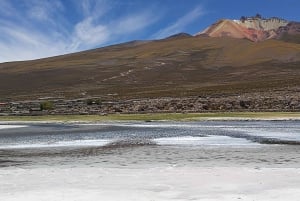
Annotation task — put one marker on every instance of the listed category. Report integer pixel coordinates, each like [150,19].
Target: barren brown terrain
[179,66]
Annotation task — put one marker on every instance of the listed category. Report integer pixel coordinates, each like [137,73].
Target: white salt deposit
[12,126]
[149,183]
[73,143]
[207,141]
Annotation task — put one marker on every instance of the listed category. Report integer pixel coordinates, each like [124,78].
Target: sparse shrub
[93,102]
[89,102]
[47,105]
[98,102]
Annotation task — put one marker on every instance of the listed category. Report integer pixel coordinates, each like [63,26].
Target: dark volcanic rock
[290,33]
[180,35]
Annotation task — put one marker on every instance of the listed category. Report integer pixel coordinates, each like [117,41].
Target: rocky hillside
[253,28]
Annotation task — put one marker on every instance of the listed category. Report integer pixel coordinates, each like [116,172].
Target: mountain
[255,29]
[179,66]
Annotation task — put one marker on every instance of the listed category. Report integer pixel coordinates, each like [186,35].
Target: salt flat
[161,161]
[150,183]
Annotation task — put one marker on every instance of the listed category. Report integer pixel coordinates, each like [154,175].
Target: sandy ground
[150,184]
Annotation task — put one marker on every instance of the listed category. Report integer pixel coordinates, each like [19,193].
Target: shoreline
[154,117]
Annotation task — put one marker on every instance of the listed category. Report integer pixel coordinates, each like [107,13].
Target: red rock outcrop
[252,28]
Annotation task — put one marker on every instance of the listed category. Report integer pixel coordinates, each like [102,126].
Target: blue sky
[31,29]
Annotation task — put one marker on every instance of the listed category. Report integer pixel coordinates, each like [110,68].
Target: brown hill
[179,66]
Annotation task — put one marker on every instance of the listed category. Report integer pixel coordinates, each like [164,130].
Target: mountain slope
[228,28]
[177,66]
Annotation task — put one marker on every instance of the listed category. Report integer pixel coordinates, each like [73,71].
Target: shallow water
[221,143]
